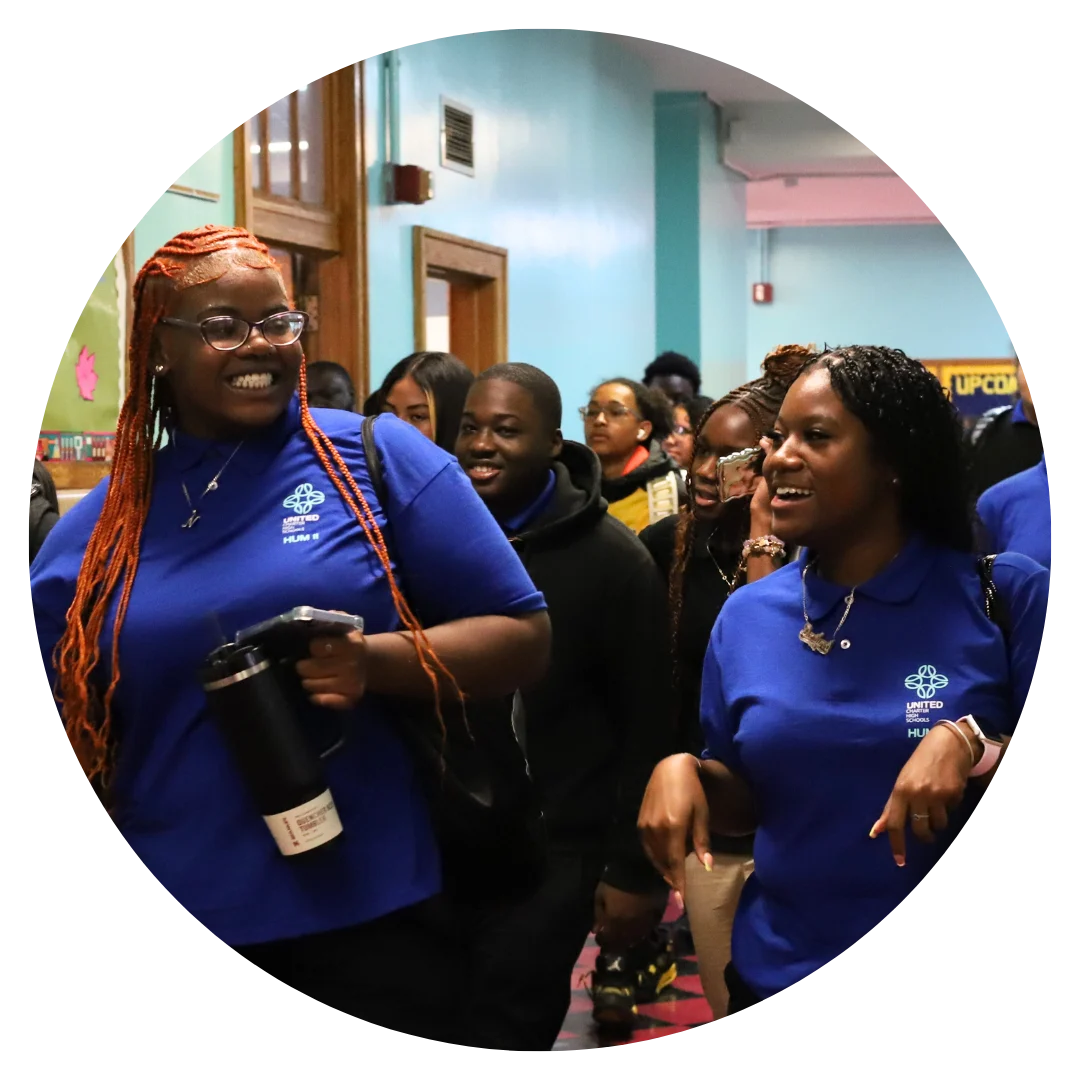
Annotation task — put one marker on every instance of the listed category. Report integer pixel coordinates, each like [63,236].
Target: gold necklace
[730,582]
[808,635]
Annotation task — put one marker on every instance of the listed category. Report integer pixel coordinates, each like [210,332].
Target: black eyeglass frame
[187,324]
[583,412]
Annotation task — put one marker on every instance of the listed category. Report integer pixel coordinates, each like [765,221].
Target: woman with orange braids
[706,552]
[257,505]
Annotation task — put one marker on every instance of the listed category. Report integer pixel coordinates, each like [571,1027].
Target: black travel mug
[257,717]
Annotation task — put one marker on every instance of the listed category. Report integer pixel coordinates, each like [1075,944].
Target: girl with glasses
[253,508]
[679,445]
[625,425]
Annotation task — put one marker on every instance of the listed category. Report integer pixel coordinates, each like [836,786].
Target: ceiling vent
[456,137]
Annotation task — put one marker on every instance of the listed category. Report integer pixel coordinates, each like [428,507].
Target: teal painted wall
[678,224]
[174,213]
[906,286]
[700,243]
[723,265]
[564,181]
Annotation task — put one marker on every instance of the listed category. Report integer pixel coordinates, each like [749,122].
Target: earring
[159,369]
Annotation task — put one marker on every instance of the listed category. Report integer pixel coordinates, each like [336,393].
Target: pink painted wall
[827,200]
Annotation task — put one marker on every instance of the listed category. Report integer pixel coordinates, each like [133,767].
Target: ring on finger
[920,817]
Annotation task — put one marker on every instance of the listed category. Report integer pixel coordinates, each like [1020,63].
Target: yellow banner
[976,385]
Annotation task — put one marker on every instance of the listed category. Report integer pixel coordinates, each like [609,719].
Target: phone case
[286,636]
[736,474]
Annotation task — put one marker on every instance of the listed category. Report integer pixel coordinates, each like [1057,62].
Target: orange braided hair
[111,559]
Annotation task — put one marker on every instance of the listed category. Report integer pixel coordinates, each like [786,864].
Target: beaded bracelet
[763,545]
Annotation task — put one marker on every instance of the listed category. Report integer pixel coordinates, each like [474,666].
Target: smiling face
[504,445]
[225,395]
[727,431]
[828,486]
[407,401]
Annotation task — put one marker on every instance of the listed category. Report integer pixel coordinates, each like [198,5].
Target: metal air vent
[456,137]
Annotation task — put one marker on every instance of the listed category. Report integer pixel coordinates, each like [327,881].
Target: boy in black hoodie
[592,729]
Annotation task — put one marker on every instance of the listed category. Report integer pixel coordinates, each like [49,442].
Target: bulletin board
[84,404]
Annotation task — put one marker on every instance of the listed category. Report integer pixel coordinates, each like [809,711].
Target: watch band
[991,750]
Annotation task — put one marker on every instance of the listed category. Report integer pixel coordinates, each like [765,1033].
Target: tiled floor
[679,1007]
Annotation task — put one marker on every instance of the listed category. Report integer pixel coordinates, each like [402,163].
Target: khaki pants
[711,900]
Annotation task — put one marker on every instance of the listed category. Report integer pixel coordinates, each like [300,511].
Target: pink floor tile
[690,983]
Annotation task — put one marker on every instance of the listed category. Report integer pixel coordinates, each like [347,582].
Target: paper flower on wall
[85,374]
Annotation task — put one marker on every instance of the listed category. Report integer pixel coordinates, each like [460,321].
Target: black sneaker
[613,990]
[681,936]
[655,965]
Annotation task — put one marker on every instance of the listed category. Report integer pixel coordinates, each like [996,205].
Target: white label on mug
[306,826]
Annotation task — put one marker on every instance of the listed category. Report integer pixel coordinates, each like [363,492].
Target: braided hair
[760,400]
[111,559]
[915,429]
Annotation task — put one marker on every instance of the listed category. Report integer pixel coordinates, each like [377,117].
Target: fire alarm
[762,293]
[411,184]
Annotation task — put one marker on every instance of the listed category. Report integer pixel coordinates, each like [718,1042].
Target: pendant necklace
[732,581]
[808,635]
[212,486]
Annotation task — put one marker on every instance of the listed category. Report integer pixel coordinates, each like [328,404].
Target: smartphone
[287,636]
[736,474]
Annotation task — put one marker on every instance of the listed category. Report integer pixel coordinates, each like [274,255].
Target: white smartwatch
[991,750]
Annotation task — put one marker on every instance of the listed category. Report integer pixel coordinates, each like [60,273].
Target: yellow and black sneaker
[613,988]
[655,965]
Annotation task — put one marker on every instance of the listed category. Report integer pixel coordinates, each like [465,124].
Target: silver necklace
[808,635]
[212,486]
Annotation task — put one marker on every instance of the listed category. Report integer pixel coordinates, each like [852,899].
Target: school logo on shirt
[296,529]
[926,682]
[304,498]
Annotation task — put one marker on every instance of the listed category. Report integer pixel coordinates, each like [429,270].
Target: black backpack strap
[374,462]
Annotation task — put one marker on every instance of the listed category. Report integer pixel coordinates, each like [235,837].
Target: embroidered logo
[303,499]
[297,527]
[926,681]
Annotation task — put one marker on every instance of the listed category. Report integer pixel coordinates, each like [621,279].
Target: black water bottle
[257,717]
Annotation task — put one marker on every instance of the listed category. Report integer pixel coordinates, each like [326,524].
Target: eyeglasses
[227,332]
[612,411]
[678,429]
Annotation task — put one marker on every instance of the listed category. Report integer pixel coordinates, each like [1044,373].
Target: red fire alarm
[411,184]
[762,293]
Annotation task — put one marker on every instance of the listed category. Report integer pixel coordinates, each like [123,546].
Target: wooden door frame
[339,229]
[456,255]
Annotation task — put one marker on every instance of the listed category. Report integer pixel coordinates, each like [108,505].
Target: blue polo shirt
[513,526]
[276,534]
[822,739]
[1015,514]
